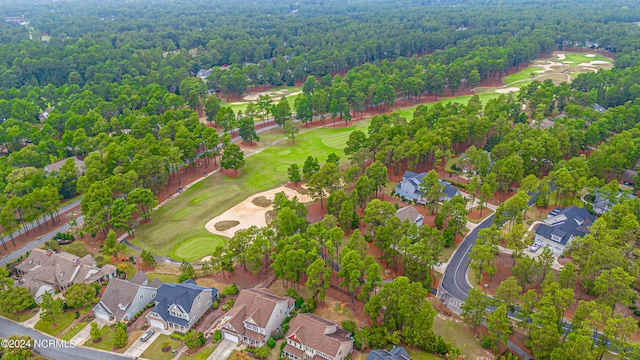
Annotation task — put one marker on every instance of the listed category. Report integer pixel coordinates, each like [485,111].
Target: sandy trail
[250,214]
[273,94]
[590,55]
[562,56]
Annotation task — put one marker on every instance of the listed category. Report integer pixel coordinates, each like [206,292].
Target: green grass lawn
[177,229]
[60,324]
[202,354]
[154,351]
[131,271]
[420,355]
[73,331]
[461,336]
[485,95]
[578,58]
[242,105]
[21,316]
[163,277]
[524,74]
[564,202]
[108,334]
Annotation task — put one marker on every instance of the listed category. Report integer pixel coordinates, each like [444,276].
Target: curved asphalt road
[8,327]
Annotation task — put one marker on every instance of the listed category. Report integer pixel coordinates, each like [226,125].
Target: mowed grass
[154,351]
[177,229]
[524,74]
[485,94]
[578,58]
[21,316]
[74,330]
[60,323]
[459,335]
[420,355]
[202,353]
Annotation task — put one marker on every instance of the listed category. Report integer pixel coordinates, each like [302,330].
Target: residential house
[179,306]
[56,166]
[203,73]
[397,353]
[563,225]
[123,299]
[629,178]
[409,187]
[254,316]
[312,337]
[47,271]
[410,213]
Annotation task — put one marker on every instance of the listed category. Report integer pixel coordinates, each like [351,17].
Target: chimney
[49,252]
[75,262]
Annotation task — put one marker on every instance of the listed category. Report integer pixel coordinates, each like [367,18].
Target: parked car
[535,247]
[147,334]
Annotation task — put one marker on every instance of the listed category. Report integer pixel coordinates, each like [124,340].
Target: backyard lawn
[177,229]
[420,355]
[155,350]
[458,335]
[60,324]
[165,278]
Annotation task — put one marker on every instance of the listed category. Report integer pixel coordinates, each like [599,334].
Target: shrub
[448,237]
[636,312]
[217,336]
[176,336]
[632,307]
[285,327]
[215,304]
[230,303]
[271,342]
[350,326]
[261,352]
[231,290]
[284,343]
[194,339]
[308,306]
[299,302]
[277,334]
[224,307]
[291,292]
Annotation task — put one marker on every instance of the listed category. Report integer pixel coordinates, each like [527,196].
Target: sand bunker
[248,213]
[590,55]
[273,94]
[507,90]
[594,62]
[562,56]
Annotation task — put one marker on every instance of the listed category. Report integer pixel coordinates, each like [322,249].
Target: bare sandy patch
[273,94]
[507,90]
[249,214]
[590,55]
[562,56]
[595,62]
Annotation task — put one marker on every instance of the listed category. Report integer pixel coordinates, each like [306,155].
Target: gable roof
[397,353]
[409,212]
[203,73]
[139,278]
[181,295]
[416,179]
[56,166]
[629,176]
[566,224]
[48,268]
[256,305]
[318,333]
[119,295]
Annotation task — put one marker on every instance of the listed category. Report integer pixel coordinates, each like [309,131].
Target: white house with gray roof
[123,299]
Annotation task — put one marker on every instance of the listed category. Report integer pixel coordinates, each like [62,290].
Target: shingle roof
[416,179]
[119,293]
[629,175]
[56,166]
[318,333]
[408,212]
[565,224]
[397,353]
[181,295]
[139,278]
[254,304]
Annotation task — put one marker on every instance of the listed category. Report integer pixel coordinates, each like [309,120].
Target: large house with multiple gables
[179,306]
[563,225]
[312,337]
[123,299]
[409,187]
[47,271]
[254,316]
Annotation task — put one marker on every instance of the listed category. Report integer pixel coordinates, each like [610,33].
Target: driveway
[138,347]
[224,349]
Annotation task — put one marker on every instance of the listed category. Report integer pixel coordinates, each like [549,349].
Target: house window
[199,304]
[153,295]
[141,296]
[198,296]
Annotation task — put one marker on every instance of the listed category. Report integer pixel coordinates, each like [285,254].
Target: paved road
[34,244]
[8,327]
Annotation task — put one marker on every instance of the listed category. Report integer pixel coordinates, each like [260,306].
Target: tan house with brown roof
[123,299]
[254,316]
[312,337]
[46,271]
